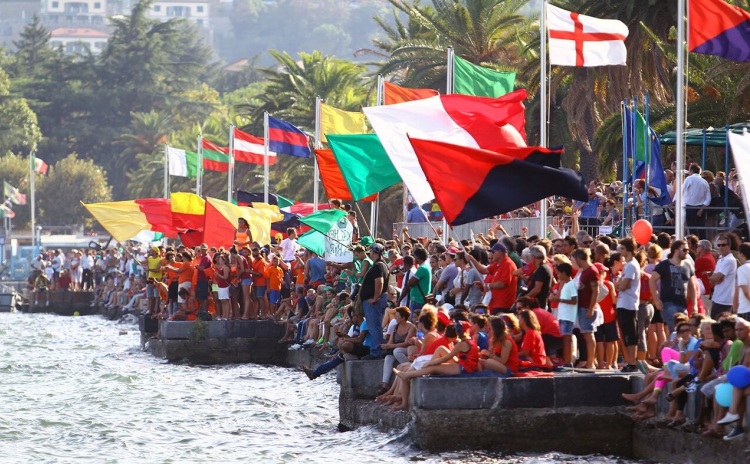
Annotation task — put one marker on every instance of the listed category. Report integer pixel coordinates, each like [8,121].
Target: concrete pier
[574,413]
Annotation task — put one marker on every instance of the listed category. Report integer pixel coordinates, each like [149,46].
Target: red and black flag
[473,183]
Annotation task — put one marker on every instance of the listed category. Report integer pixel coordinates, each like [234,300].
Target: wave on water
[80,389]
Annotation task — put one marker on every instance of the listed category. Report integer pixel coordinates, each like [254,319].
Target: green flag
[640,137]
[323,220]
[283,202]
[365,165]
[470,79]
[313,241]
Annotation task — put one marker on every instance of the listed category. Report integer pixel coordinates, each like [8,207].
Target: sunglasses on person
[722,244]
[587,242]
[686,329]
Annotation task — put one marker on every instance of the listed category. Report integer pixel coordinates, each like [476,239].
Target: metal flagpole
[318,146]
[448,91]
[199,175]
[647,149]
[680,132]
[625,151]
[543,104]
[230,175]
[265,157]
[32,188]
[375,205]
[166,171]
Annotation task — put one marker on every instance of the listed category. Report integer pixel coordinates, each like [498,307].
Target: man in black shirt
[541,280]
[374,297]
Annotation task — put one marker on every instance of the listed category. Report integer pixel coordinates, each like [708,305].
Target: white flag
[578,40]
[740,145]
[182,163]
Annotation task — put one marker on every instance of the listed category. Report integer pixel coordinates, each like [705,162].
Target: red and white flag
[578,40]
[249,149]
[40,167]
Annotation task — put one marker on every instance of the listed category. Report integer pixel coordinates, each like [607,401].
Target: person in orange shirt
[275,275]
[188,310]
[259,281]
[171,264]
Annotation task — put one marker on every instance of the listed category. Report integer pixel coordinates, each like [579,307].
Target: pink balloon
[642,231]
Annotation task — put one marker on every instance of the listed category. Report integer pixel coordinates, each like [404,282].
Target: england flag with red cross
[578,40]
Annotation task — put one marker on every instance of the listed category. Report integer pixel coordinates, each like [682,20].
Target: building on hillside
[14,16]
[79,40]
[196,11]
[76,13]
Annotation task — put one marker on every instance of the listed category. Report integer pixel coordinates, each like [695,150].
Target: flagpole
[647,149]
[199,175]
[265,157]
[625,148]
[448,91]
[679,201]
[32,188]
[375,205]
[543,105]
[166,171]
[318,146]
[230,174]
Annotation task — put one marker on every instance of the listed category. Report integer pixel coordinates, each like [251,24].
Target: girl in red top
[502,357]
[532,355]
[606,334]
[463,359]
[221,279]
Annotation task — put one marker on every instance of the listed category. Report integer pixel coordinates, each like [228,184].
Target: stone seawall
[572,413]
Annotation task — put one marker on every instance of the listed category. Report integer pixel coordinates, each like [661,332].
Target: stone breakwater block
[361,378]
[241,329]
[528,392]
[269,330]
[455,392]
[175,330]
[600,390]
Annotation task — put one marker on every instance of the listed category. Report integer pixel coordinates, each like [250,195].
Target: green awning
[715,137]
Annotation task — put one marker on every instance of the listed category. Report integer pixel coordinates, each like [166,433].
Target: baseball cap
[465,326]
[452,251]
[499,247]
[377,248]
[601,267]
[443,318]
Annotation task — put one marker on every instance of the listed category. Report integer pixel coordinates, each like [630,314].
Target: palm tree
[148,133]
[486,32]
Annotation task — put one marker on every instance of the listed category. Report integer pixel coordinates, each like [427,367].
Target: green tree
[70,182]
[19,130]
[486,32]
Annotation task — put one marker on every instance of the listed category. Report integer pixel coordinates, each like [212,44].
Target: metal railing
[463,232]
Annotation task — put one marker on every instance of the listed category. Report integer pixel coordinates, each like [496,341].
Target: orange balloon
[642,231]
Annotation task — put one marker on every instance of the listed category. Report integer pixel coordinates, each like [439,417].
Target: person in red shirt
[606,335]
[705,263]
[500,279]
[549,326]
[588,295]
[532,354]
[502,356]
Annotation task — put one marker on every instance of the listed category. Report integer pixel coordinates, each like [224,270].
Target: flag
[500,180]
[578,40]
[188,210]
[12,194]
[306,209]
[740,144]
[250,149]
[393,93]
[125,219]
[333,180]
[182,163]
[40,167]
[286,139]
[147,237]
[221,222]
[470,79]
[313,241]
[363,163]
[336,121]
[6,211]
[718,28]
[640,158]
[337,229]
[290,220]
[248,198]
[460,119]
[215,158]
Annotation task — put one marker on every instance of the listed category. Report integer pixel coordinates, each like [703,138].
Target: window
[157,8]
[97,5]
[55,4]
[199,9]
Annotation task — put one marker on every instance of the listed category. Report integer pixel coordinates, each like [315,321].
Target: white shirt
[695,191]
[568,311]
[743,278]
[628,299]
[724,291]
[289,249]
[87,262]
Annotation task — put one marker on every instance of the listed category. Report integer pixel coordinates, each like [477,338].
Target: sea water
[81,389]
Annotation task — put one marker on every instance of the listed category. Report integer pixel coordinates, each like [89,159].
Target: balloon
[642,231]
[739,376]
[723,395]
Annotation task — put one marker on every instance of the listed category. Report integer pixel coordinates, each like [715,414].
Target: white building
[76,40]
[75,12]
[196,11]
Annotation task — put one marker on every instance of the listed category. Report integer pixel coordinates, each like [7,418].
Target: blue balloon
[739,376]
[723,394]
